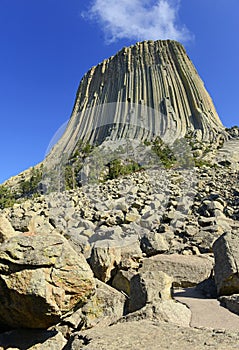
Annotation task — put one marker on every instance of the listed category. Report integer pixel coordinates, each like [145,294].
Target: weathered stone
[154,243]
[150,220]
[122,279]
[149,287]
[105,307]
[131,253]
[104,259]
[41,279]
[6,229]
[107,255]
[148,334]
[173,312]
[185,270]
[226,255]
[132,216]
[39,224]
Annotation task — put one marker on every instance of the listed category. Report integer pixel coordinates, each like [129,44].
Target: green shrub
[119,168]
[164,153]
[30,187]
[7,197]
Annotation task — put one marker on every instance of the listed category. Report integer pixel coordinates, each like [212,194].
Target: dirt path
[206,312]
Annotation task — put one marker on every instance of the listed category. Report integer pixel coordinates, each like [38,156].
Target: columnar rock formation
[150,88]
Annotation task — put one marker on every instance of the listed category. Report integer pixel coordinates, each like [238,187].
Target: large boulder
[41,279]
[149,287]
[186,270]
[104,259]
[6,229]
[226,255]
[105,307]
[150,297]
[109,255]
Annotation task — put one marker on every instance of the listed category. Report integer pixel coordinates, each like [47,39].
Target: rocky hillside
[112,253]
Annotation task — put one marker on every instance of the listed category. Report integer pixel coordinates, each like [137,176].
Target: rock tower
[148,89]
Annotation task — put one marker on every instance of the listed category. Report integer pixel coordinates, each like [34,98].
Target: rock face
[41,279]
[226,256]
[150,88]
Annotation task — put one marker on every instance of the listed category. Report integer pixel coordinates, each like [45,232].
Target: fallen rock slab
[41,279]
[186,270]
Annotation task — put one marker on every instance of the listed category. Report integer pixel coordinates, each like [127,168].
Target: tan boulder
[6,229]
[104,307]
[107,255]
[41,279]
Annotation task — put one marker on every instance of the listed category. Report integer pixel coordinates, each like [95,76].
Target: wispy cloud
[138,19]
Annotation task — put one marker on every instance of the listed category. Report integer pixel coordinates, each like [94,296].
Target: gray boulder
[149,287]
[41,279]
[226,255]
[186,270]
[150,297]
[154,243]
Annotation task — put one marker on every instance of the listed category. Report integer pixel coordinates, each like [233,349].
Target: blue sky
[48,45]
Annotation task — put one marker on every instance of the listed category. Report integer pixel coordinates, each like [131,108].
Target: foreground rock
[226,263]
[149,287]
[186,270]
[41,279]
[104,307]
[153,335]
[32,340]
[150,297]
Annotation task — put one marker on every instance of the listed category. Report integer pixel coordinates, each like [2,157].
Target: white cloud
[138,19]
